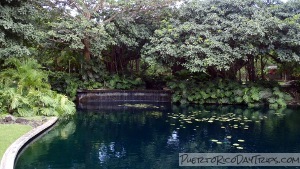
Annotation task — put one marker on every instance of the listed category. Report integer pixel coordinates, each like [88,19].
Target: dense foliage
[25,91]
[150,44]
[228,92]
[221,37]
[19,28]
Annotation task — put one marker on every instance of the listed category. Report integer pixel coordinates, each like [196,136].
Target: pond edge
[9,157]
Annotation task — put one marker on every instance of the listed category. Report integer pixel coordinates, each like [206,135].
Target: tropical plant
[227,92]
[93,71]
[125,83]
[64,83]
[25,91]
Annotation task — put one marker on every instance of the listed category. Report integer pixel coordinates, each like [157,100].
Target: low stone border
[9,157]
[107,95]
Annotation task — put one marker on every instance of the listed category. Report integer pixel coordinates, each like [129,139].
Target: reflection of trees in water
[145,140]
[176,141]
[230,124]
[136,116]
[280,132]
[173,140]
[61,131]
[42,146]
[208,110]
[109,151]
[141,128]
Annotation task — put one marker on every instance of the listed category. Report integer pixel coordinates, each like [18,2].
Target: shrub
[25,91]
[227,92]
[65,83]
[125,83]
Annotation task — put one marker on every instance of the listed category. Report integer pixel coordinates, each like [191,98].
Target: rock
[22,121]
[35,124]
[44,119]
[9,118]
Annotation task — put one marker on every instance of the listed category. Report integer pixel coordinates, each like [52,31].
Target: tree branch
[275,59]
[111,18]
[73,3]
[100,5]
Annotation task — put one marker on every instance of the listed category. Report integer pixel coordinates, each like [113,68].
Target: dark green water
[152,138]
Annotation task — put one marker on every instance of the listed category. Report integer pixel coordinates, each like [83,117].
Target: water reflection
[147,138]
[173,140]
[108,151]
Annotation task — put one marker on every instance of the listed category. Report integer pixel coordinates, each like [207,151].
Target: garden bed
[31,121]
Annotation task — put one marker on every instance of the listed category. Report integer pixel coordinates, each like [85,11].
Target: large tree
[17,29]
[129,37]
[81,25]
[221,37]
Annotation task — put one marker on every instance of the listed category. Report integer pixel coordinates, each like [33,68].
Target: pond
[135,137]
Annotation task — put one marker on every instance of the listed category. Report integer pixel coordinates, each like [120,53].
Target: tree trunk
[234,69]
[262,67]
[86,50]
[177,66]
[231,73]
[212,71]
[251,68]
[137,65]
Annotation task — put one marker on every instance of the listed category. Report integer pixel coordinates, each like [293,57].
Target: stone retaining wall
[97,96]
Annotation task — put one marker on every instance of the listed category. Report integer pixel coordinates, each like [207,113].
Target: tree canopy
[214,35]
[82,25]
[18,29]
[121,44]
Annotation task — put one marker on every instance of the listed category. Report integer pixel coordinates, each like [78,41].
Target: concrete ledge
[9,157]
[98,96]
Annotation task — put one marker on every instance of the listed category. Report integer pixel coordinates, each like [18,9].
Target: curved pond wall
[9,157]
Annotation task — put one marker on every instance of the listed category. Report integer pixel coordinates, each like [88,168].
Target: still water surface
[132,137]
